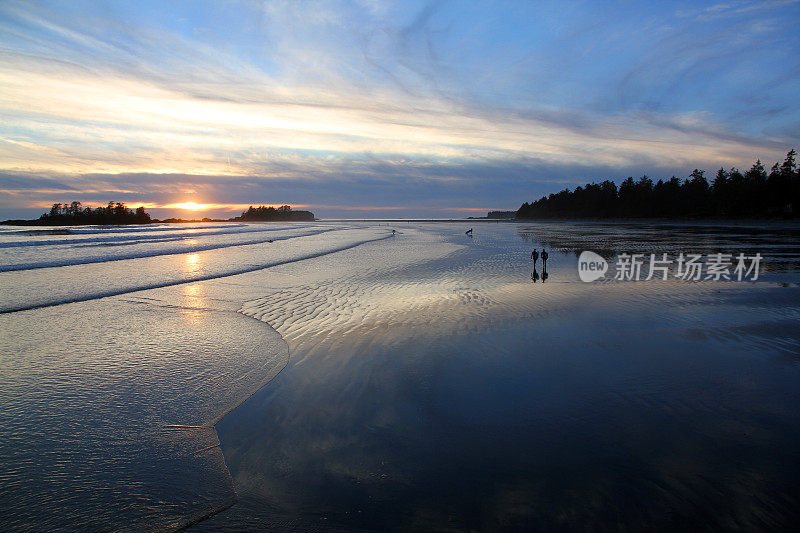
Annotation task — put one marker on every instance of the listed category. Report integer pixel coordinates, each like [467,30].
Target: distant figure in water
[469,231]
[534,275]
[535,257]
[393,232]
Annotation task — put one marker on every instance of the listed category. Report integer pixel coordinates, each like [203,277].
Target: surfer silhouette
[535,256]
[469,232]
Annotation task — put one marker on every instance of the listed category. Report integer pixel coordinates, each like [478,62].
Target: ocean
[397,375]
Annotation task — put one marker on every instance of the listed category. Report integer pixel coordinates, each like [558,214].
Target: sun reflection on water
[193,301]
[192,265]
[192,293]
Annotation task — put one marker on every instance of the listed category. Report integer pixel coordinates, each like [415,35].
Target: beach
[341,376]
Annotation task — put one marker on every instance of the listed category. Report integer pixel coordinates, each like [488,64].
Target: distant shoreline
[636,220]
[37,222]
[116,214]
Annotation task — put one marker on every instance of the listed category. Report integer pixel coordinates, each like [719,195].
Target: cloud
[86,124]
[438,98]
[729,9]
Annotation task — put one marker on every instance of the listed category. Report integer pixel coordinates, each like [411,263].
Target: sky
[373,109]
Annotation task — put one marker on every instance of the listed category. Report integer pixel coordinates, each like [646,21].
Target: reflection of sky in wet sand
[431,385]
[774,240]
[91,393]
[458,394]
[107,404]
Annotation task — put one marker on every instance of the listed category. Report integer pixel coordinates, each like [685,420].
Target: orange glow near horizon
[194,206]
[190,206]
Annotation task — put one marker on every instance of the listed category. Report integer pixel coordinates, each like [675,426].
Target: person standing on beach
[544,265]
[535,256]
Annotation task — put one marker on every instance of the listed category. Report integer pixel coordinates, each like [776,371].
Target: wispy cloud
[734,8]
[434,97]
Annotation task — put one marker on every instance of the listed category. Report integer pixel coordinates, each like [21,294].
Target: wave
[126,242]
[188,248]
[113,235]
[59,286]
[77,230]
[34,232]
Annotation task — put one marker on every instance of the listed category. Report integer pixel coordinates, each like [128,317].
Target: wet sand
[421,381]
[453,393]
[114,371]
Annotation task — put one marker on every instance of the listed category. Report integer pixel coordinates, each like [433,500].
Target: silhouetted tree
[73,214]
[264,214]
[731,194]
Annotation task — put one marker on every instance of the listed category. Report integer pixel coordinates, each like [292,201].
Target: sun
[191,206]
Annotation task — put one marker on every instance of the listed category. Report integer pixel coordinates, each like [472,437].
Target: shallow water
[107,404]
[91,397]
[428,382]
[454,393]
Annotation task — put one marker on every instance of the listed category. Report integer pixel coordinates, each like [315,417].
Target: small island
[283,213]
[74,214]
[116,213]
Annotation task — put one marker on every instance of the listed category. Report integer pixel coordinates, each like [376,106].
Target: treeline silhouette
[263,213]
[731,194]
[74,214]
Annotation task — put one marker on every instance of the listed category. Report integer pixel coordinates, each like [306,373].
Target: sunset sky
[382,109]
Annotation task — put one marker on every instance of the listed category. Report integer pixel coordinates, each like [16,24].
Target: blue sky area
[382,109]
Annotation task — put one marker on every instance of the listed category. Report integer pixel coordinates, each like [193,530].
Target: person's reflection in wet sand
[535,256]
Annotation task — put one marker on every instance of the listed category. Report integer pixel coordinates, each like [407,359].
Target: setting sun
[191,206]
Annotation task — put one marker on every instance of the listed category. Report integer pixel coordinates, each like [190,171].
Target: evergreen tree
[731,194]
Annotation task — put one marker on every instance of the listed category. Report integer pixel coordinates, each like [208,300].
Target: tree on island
[264,213]
[731,194]
[75,214]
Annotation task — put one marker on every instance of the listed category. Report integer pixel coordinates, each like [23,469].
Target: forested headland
[731,194]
